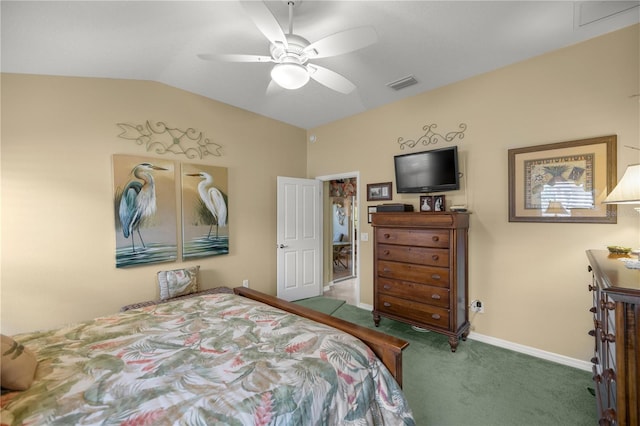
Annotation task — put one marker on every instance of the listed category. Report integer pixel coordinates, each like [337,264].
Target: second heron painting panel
[205,230]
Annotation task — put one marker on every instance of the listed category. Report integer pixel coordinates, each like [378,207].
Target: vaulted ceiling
[436,42]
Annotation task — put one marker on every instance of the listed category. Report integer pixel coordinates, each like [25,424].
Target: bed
[236,359]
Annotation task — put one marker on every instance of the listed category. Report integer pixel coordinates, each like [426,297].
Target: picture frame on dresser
[370,211]
[563,182]
[426,203]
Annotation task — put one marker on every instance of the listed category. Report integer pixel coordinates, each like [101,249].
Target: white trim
[516,347]
[538,353]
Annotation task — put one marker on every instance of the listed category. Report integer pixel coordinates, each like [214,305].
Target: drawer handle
[386,304]
[436,277]
[435,296]
[387,287]
[435,238]
[608,337]
[386,270]
[435,316]
[435,257]
[609,375]
[387,236]
[386,252]
[608,305]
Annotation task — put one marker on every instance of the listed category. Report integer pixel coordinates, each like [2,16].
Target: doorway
[340,200]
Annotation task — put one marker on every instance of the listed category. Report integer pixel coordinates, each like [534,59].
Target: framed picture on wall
[145,210]
[378,191]
[563,182]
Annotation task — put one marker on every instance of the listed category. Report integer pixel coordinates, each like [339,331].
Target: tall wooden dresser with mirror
[420,271]
[616,331]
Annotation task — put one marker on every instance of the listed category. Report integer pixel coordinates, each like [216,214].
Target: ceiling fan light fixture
[290,75]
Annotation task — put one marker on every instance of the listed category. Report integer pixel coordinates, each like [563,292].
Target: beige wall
[532,277]
[58,136]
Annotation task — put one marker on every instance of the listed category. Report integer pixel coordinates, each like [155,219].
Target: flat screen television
[427,171]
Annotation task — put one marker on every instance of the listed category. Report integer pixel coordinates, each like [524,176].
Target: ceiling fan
[291,53]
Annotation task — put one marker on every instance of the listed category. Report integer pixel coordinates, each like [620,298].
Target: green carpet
[481,384]
[323,304]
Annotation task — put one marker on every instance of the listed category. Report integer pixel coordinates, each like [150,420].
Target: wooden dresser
[616,319]
[420,271]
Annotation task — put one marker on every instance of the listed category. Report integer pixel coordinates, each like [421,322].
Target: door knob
[281,246]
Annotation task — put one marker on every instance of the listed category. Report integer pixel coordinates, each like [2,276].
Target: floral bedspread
[214,359]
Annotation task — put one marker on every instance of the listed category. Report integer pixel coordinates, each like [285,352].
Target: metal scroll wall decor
[430,137]
[164,139]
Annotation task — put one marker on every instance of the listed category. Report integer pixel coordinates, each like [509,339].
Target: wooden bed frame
[387,348]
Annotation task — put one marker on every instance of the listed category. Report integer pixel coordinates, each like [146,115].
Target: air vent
[403,82]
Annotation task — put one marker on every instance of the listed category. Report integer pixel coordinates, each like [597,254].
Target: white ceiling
[438,42]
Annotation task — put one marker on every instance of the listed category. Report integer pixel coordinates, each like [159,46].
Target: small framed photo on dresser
[371,210]
[438,203]
[426,203]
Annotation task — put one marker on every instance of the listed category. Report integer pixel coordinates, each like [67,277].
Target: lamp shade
[290,75]
[627,191]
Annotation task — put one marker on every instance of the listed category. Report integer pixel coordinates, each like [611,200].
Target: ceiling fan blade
[265,21]
[234,58]
[331,79]
[342,42]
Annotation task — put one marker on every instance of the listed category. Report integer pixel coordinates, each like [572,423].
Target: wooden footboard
[387,348]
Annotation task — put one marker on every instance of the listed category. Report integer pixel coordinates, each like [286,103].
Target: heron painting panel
[205,230]
[145,210]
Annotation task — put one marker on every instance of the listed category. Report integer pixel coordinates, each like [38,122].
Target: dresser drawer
[413,311]
[413,237]
[411,254]
[431,275]
[430,295]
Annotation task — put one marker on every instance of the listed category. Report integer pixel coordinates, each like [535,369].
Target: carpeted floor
[323,304]
[481,384]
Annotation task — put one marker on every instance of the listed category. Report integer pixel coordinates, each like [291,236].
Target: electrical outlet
[477,306]
[245,283]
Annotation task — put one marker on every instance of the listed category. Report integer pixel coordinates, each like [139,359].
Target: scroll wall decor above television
[430,137]
[163,139]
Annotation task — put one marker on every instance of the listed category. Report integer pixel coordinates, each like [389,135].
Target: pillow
[18,365]
[178,282]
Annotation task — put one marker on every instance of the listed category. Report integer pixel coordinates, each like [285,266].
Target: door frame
[356,175]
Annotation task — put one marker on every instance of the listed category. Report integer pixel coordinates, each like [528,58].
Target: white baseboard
[365,306]
[516,347]
[538,353]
